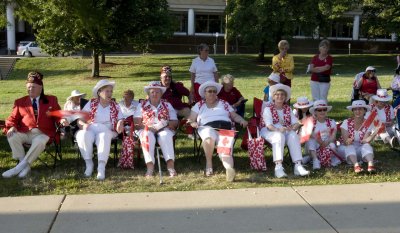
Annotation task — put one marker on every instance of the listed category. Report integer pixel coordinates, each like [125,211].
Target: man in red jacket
[30,124]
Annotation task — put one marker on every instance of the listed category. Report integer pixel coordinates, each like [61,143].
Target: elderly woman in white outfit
[211,113]
[105,122]
[356,137]
[160,119]
[278,127]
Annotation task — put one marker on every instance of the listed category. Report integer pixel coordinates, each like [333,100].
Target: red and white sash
[94,103]
[275,117]
[148,113]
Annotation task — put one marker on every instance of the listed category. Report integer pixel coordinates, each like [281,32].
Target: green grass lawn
[61,75]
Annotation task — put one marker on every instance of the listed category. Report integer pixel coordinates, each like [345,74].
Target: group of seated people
[155,120]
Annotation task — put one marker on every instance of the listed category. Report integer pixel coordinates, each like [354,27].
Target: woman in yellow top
[283,63]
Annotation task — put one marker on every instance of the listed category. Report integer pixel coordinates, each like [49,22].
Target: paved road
[339,208]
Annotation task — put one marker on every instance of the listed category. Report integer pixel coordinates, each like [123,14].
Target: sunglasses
[212,91]
[321,110]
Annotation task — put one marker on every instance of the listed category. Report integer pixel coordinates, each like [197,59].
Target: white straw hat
[359,104]
[274,77]
[100,84]
[382,95]
[156,85]
[282,87]
[320,104]
[75,93]
[204,86]
[303,102]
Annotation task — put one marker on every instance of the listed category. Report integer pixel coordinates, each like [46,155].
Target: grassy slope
[65,74]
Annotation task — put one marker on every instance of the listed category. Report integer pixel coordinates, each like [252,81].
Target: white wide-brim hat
[382,95]
[203,87]
[75,93]
[370,68]
[359,104]
[320,104]
[100,84]
[282,87]
[274,77]
[155,85]
[303,102]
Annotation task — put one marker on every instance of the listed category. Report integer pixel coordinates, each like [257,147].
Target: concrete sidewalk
[339,208]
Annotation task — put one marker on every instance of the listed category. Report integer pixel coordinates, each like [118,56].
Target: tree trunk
[261,52]
[96,66]
[103,58]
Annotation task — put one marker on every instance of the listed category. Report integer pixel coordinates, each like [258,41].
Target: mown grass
[65,74]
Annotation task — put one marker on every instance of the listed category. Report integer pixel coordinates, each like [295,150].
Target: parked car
[29,49]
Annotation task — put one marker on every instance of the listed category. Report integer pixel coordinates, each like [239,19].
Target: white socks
[89,167]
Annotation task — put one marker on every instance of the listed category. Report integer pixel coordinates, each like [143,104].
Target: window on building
[182,22]
[342,28]
[209,23]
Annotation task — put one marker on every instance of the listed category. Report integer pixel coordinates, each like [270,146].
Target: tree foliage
[264,22]
[381,17]
[65,26]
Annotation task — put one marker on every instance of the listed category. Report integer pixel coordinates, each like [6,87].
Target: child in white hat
[272,79]
[386,115]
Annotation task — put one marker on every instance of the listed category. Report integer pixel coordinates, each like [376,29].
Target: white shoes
[101,174]
[316,165]
[230,174]
[280,172]
[16,170]
[299,170]
[394,142]
[89,168]
[24,172]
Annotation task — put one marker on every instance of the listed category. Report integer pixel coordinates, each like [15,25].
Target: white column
[393,36]
[10,27]
[316,33]
[191,22]
[21,26]
[356,27]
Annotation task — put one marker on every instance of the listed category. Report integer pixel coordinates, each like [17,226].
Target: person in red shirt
[321,68]
[231,94]
[29,123]
[368,84]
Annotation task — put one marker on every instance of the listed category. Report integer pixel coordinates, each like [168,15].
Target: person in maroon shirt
[231,94]
[174,93]
[321,68]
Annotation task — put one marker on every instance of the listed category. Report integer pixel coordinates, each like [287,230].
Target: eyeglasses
[321,110]
[212,91]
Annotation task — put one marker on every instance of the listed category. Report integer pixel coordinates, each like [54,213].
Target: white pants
[208,132]
[319,91]
[313,145]
[357,149]
[278,141]
[99,134]
[389,132]
[165,140]
[35,137]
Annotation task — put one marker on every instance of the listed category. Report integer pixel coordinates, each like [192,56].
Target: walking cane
[159,165]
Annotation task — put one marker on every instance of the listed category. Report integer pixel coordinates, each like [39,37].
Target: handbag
[128,146]
[323,78]
[256,152]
